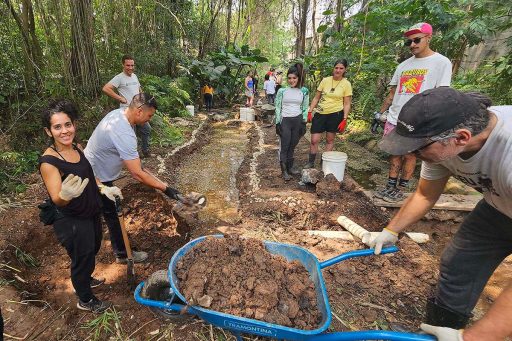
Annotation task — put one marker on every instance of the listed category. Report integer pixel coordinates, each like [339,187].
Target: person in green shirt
[334,99]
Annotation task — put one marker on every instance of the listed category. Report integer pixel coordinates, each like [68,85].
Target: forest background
[69,49]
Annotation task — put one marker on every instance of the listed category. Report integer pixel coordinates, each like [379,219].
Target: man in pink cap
[425,70]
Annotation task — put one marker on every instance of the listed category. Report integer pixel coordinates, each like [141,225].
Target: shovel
[130,269]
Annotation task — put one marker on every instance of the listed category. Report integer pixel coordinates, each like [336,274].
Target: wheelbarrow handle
[354,254]
[160,304]
[372,335]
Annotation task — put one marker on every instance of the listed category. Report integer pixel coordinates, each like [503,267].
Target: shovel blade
[130,273]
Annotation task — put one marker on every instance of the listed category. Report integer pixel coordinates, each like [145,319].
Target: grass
[106,326]
[25,257]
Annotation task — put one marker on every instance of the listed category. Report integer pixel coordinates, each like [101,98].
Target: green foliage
[225,69]
[15,166]
[171,98]
[25,257]
[166,135]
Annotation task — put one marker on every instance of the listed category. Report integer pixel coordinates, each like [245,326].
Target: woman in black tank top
[70,182]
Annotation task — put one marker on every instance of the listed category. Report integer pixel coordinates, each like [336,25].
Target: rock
[219,117]
[268,107]
[328,186]
[233,123]
[179,121]
[205,301]
[311,176]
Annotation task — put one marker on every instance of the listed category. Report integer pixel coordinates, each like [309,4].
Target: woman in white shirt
[291,114]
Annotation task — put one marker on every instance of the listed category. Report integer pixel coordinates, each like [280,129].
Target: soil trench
[364,293]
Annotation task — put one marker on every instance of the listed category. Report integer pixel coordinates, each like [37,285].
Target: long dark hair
[298,70]
[56,106]
[343,62]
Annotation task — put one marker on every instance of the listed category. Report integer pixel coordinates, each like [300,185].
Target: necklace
[332,83]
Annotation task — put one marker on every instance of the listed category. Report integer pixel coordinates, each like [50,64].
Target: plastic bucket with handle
[334,163]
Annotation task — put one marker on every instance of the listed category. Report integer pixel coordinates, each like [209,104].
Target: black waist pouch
[48,212]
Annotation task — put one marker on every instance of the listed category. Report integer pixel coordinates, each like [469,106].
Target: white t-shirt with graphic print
[490,170]
[415,75]
[127,86]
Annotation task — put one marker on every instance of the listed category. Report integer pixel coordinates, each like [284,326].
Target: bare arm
[52,181]
[347,103]
[143,175]
[389,99]
[418,204]
[496,324]
[315,100]
[108,89]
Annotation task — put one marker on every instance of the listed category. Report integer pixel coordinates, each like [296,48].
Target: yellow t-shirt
[332,94]
[207,90]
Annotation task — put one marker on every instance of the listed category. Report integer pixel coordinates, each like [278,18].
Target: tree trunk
[84,68]
[301,38]
[314,44]
[339,15]
[31,48]
[228,23]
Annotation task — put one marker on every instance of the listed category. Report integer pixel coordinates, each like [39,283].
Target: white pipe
[354,228]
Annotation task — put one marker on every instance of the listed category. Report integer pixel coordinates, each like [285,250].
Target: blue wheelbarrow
[169,302]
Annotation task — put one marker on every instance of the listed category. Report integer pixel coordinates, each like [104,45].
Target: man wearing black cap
[461,135]
[425,70]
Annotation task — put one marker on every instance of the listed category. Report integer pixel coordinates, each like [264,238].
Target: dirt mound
[240,277]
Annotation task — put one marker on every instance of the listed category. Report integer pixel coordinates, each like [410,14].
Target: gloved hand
[193,198]
[443,333]
[173,193]
[111,192]
[384,238]
[310,116]
[376,122]
[278,129]
[303,129]
[72,187]
[342,125]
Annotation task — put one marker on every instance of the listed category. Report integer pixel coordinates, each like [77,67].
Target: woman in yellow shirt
[334,98]
[208,96]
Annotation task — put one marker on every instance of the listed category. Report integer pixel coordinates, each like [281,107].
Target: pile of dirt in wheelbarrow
[240,277]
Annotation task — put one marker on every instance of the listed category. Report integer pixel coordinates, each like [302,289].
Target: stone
[311,176]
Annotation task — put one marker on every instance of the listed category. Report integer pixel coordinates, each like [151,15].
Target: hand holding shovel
[191,199]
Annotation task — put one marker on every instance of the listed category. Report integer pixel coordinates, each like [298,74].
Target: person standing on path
[127,85]
[75,197]
[425,70]
[291,115]
[207,91]
[249,91]
[461,135]
[334,97]
[112,145]
[270,89]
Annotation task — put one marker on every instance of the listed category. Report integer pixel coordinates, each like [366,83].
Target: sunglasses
[409,42]
[146,102]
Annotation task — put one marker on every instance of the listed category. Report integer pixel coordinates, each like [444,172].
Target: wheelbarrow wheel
[158,288]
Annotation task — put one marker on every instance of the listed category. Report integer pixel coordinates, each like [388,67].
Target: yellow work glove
[383,239]
[111,192]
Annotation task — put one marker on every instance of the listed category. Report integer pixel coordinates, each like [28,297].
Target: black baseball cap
[425,115]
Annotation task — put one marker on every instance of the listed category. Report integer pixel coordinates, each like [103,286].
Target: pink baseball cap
[421,27]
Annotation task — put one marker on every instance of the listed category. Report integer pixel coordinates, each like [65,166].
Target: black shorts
[326,122]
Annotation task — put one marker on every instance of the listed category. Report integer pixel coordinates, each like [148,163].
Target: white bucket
[247,114]
[334,163]
[190,109]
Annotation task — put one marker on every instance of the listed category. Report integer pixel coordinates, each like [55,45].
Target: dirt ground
[377,292]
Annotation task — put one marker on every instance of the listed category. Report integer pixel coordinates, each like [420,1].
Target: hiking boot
[138,257]
[381,193]
[291,169]
[394,195]
[309,165]
[96,282]
[284,171]
[94,305]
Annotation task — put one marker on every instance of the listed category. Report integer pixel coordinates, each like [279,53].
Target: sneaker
[381,193]
[94,305]
[138,257]
[395,195]
[96,282]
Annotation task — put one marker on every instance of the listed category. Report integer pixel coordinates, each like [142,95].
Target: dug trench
[364,293]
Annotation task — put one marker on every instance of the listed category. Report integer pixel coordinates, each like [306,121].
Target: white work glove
[443,333]
[384,238]
[111,192]
[72,187]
